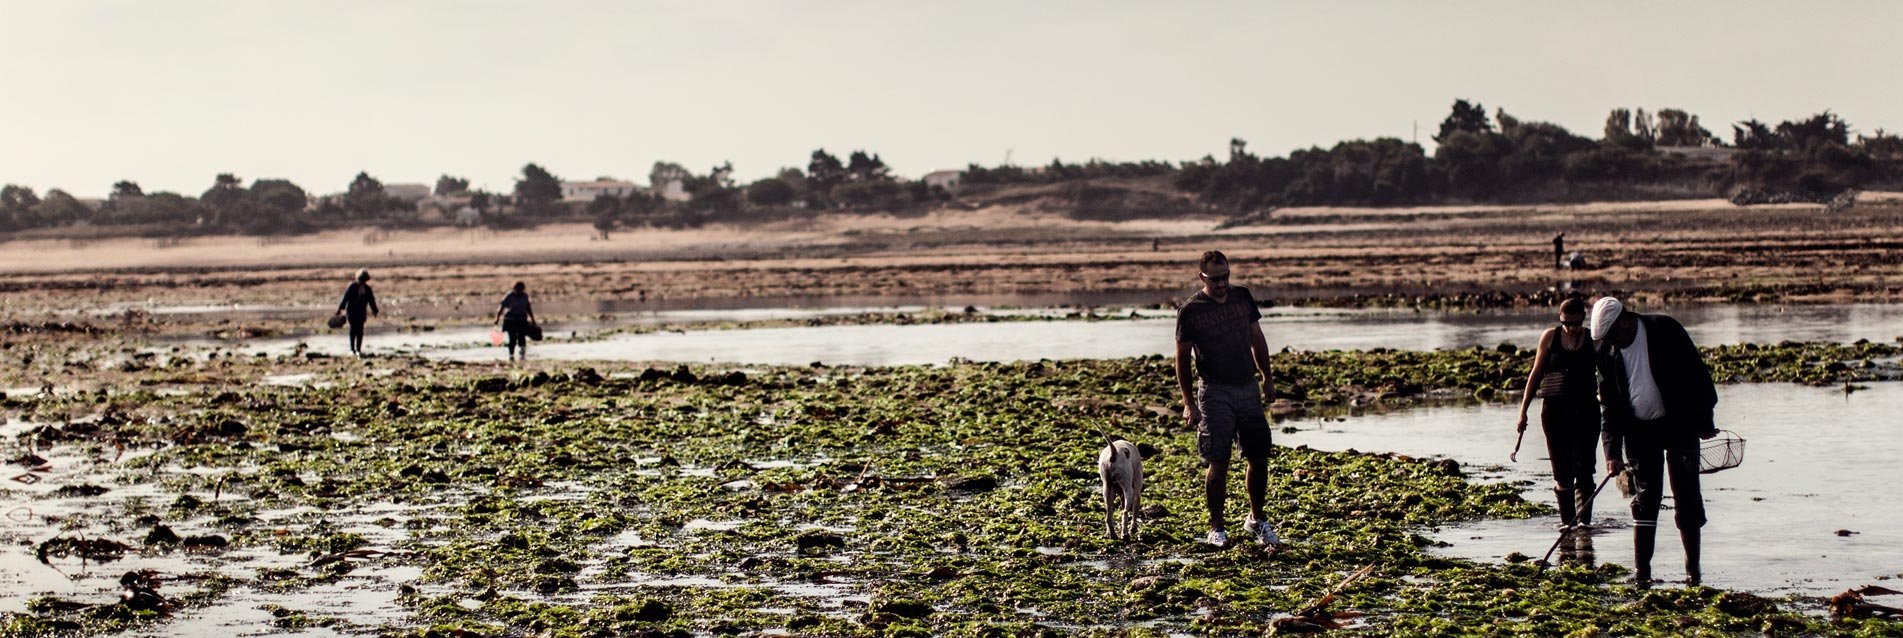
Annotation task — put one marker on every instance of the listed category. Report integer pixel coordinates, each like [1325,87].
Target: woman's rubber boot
[1564,499]
[1643,537]
[1691,538]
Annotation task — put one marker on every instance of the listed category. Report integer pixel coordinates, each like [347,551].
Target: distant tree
[1881,144]
[1471,118]
[16,206]
[1753,135]
[1822,129]
[722,175]
[280,198]
[446,185]
[1678,128]
[771,191]
[227,203]
[665,173]
[480,201]
[365,197]
[606,210]
[538,191]
[1618,124]
[1472,161]
[1239,150]
[125,188]
[861,167]
[823,172]
[1642,126]
[59,209]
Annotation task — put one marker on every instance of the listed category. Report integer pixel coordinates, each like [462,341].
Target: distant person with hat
[1656,398]
[517,318]
[358,299]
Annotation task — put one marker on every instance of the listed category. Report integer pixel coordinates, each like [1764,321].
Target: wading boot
[1564,499]
[1584,517]
[1691,538]
[1643,536]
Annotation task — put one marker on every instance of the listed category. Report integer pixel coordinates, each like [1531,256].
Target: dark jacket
[1684,384]
[357,300]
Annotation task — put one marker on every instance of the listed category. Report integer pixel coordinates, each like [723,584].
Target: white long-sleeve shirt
[1643,390]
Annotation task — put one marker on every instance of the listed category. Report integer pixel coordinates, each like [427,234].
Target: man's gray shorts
[1231,413]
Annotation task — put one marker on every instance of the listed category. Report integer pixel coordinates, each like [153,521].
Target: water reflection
[1297,328]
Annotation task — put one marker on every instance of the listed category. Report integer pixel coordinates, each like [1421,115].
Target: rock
[161,535]
[905,609]
[818,539]
[205,542]
[1739,603]
[1155,511]
[654,611]
[1844,532]
[971,483]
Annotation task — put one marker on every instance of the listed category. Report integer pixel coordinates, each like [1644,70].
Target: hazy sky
[169,93]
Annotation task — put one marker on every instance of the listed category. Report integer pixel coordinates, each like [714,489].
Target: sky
[169,94]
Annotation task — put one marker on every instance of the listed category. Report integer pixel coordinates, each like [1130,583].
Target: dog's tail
[1112,442]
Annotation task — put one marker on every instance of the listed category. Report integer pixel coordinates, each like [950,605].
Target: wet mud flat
[409,496]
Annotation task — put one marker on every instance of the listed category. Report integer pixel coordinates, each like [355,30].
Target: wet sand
[1460,256]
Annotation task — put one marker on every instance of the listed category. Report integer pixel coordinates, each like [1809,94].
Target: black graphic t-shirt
[1220,332]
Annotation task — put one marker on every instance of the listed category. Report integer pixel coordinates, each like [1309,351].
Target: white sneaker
[1218,538]
[1264,532]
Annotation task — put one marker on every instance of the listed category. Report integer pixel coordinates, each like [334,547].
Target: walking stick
[1546,560]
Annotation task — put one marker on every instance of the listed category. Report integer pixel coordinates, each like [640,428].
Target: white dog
[1120,465]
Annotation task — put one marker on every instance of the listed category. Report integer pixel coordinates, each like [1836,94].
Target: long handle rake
[1547,559]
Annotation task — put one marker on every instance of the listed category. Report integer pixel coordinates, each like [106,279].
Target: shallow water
[1816,461]
[1297,328]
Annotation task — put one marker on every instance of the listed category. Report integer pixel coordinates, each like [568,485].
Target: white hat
[1606,311]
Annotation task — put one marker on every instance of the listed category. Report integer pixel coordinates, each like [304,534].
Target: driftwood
[1314,616]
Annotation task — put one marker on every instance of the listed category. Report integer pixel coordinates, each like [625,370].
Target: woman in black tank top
[1569,413]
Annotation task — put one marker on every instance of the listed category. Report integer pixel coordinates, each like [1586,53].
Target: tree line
[1479,157]
[1502,158]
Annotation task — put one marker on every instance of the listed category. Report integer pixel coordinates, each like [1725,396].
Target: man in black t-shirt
[1216,331]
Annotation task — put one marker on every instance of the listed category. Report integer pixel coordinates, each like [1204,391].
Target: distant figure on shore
[1559,251]
[1156,244]
[517,318]
[1562,379]
[358,299]
[1217,331]
[1657,398]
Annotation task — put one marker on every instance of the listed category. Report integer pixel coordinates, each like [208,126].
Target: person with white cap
[1656,401]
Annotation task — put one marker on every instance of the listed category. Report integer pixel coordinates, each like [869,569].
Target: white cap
[1604,312]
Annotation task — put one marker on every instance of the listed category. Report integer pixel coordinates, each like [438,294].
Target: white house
[408,193]
[674,190]
[468,216]
[947,180]
[588,191]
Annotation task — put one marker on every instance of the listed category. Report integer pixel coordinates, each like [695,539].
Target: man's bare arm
[1259,350]
[1185,351]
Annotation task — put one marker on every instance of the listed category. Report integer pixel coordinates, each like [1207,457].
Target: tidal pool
[1816,461]
[1297,328]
